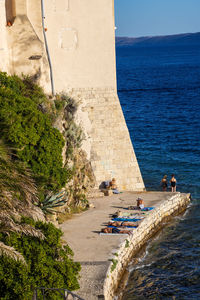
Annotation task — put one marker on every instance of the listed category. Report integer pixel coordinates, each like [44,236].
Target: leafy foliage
[24,126]
[49,264]
[25,87]
[31,253]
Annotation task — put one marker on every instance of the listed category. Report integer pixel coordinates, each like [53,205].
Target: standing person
[173,183]
[164,183]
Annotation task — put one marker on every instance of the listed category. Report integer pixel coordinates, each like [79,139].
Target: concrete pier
[104,258]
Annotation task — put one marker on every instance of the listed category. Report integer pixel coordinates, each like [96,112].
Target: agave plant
[52,201]
[18,194]
[70,107]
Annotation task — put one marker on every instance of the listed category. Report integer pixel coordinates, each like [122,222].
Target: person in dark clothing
[164,183]
[173,183]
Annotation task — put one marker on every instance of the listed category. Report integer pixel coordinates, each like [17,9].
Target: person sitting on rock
[113,186]
[140,203]
[115,230]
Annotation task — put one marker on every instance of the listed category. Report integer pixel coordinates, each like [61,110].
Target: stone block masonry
[108,143]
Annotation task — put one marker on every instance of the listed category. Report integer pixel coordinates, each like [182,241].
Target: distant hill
[165,40]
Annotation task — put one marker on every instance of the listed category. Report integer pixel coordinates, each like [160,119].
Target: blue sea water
[159,90]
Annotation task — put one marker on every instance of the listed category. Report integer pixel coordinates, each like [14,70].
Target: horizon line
[153,36]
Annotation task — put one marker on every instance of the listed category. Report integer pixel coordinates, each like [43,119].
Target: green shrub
[114,264]
[24,87]
[127,244]
[25,127]
[49,264]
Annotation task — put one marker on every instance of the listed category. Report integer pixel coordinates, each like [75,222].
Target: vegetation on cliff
[43,134]
[41,167]
[30,131]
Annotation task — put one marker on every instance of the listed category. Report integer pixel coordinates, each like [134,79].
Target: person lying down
[122,224]
[115,230]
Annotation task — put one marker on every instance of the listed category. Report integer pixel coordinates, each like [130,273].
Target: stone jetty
[104,258]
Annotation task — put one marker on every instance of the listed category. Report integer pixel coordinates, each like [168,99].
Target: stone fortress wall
[81,41]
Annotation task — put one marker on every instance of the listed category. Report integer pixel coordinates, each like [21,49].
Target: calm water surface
[159,90]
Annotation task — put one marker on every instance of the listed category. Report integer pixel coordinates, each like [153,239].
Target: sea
[159,91]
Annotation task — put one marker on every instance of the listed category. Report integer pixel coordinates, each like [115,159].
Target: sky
[134,18]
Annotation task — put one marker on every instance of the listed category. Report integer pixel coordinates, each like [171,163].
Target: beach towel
[126,219]
[102,233]
[139,216]
[133,215]
[147,208]
[110,226]
[115,191]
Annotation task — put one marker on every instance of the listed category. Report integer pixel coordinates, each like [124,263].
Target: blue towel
[115,191]
[147,208]
[126,219]
[122,227]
